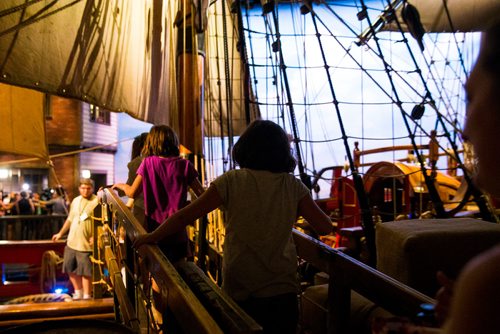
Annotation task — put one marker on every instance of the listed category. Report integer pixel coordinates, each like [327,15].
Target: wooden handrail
[346,274]
[191,315]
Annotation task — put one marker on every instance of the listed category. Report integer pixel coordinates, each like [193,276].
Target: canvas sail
[119,55]
[23,124]
[115,54]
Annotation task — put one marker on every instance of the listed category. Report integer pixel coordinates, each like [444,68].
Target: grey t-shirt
[260,208]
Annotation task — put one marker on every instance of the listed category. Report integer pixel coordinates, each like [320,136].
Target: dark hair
[161,141]
[138,144]
[489,56]
[264,146]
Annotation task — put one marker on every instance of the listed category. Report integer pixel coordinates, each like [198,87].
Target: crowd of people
[32,203]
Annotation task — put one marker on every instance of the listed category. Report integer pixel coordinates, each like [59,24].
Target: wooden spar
[391,149]
[190,85]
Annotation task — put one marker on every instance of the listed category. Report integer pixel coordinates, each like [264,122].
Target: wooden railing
[30,227]
[198,305]
[346,274]
[201,307]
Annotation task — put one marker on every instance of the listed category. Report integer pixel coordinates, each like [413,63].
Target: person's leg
[76,281]
[70,267]
[87,287]
[84,270]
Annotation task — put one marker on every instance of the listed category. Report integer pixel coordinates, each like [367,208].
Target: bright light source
[26,186]
[85,173]
[4,173]
[58,291]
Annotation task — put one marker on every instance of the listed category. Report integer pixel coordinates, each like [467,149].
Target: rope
[50,163]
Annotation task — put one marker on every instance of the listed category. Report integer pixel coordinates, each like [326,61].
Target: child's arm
[130,191]
[208,201]
[315,216]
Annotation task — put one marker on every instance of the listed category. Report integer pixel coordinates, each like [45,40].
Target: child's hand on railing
[143,239]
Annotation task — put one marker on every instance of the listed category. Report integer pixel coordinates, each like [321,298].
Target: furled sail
[226,113]
[115,54]
[23,124]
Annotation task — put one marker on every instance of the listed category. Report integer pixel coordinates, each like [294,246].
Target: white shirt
[80,230]
[260,209]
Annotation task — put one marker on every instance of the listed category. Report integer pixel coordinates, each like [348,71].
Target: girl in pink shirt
[164,179]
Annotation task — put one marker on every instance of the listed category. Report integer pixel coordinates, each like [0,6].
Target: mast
[190,86]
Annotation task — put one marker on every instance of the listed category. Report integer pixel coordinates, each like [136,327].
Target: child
[262,200]
[164,178]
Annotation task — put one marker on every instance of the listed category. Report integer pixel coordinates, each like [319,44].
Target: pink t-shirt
[165,183]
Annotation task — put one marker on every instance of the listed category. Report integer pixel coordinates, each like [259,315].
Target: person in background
[79,242]
[262,201]
[24,205]
[57,204]
[470,305]
[136,158]
[35,198]
[164,178]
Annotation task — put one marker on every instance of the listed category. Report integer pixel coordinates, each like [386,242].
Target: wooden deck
[22,314]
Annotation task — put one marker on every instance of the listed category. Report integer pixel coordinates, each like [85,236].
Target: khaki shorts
[77,262]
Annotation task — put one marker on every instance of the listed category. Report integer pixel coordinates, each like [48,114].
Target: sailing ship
[370,91]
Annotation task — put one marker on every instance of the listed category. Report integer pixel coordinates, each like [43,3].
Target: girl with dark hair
[264,146]
[261,201]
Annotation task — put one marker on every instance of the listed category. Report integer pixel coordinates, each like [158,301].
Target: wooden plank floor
[21,314]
